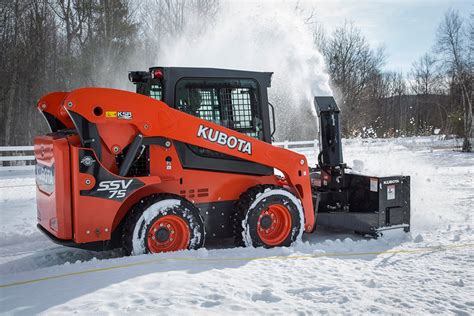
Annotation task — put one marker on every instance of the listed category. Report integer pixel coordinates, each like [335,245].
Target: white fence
[22,158]
[14,158]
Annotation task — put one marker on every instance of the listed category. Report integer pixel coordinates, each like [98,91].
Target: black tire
[148,210]
[248,212]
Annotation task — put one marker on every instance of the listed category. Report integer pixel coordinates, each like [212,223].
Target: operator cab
[234,99]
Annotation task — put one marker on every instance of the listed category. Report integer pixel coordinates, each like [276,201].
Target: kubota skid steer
[189,158]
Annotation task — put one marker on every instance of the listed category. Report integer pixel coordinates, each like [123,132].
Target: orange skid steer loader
[188,158]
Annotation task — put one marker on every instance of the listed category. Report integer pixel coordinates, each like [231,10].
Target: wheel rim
[274,224]
[168,233]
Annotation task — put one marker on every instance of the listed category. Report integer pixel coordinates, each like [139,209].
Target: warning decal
[391,192]
[373,184]
[110,114]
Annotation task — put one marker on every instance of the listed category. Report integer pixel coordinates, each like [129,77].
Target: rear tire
[162,223]
[268,216]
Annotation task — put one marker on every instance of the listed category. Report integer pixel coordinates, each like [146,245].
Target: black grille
[141,165]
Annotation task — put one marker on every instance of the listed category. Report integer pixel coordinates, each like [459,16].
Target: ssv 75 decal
[116,188]
[223,139]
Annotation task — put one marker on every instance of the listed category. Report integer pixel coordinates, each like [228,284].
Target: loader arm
[93,109]
[51,107]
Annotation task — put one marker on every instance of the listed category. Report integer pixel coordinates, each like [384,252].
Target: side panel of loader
[88,107]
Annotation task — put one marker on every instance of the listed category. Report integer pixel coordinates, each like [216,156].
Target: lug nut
[168,144]
[146,126]
[88,232]
[88,181]
[43,106]
[69,104]
[302,161]
[116,149]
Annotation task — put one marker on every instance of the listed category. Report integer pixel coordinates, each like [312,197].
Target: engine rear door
[53,189]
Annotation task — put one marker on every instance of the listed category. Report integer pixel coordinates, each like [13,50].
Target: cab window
[231,103]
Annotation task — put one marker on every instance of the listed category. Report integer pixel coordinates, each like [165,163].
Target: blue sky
[406,28]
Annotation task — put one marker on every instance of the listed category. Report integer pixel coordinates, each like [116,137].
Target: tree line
[435,96]
[59,45]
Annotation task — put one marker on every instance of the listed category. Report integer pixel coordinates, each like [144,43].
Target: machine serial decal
[115,188]
[222,138]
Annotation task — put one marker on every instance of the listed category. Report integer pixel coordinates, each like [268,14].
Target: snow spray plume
[261,37]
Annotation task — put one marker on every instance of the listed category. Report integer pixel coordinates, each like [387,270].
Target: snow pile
[319,275]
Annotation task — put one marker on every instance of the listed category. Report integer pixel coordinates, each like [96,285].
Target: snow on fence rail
[22,158]
[14,158]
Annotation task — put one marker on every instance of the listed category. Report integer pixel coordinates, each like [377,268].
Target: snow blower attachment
[188,158]
[364,204]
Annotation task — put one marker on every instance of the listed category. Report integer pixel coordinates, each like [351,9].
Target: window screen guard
[232,103]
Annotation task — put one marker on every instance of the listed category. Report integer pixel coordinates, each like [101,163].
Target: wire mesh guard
[156,91]
[234,108]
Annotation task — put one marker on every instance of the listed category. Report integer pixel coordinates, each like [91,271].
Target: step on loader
[187,159]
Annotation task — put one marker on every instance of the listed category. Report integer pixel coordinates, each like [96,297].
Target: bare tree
[352,64]
[427,85]
[454,42]
[425,79]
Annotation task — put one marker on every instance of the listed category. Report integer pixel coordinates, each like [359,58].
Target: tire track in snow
[312,256]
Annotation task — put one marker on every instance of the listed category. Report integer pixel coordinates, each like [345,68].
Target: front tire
[162,223]
[268,216]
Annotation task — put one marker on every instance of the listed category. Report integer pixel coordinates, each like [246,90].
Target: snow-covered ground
[430,270]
